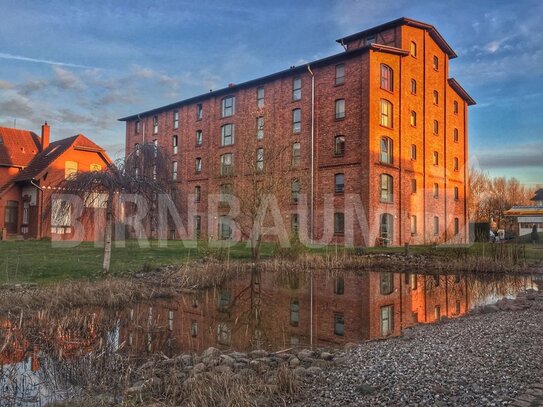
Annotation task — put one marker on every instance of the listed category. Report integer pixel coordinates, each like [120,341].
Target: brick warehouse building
[381,120]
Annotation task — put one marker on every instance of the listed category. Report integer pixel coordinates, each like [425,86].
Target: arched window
[455,163]
[413,50]
[386,188]
[413,152]
[386,227]
[455,135]
[295,190]
[175,144]
[456,194]
[296,155]
[413,119]
[387,78]
[455,107]
[436,127]
[340,109]
[339,183]
[385,155]
[436,97]
[413,86]
[386,113]
[435,158]
[339,145]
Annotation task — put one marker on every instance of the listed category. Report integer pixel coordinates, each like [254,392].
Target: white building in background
[527,216]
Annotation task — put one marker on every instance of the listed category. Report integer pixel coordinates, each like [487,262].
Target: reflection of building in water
[275,311]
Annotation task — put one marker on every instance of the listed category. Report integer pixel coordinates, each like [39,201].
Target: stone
[294,362]
[489,309]
[227,360]
[186,359]
[350,346]
[313,370]
[299,371]
[323,364]
[238,355]
[258,353]
[223,369]
[305,354]
[326,356]
[365,389]
[199,368]
[211,352]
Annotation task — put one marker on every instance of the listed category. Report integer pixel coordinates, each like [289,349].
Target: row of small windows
[385,154]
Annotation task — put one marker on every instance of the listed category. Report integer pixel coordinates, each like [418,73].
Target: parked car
[492,238]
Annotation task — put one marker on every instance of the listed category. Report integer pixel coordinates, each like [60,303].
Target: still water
[45,356]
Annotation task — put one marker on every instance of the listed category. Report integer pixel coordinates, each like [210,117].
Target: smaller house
[31,168]
[525,217]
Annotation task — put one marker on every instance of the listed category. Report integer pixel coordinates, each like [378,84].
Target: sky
[81,65]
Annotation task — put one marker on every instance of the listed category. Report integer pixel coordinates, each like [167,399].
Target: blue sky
[82,65]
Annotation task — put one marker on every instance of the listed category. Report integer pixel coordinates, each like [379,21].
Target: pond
[49,355]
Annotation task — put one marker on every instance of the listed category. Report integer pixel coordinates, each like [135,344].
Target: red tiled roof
[18,147]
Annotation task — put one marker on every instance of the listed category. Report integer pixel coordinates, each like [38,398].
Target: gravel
[483,359]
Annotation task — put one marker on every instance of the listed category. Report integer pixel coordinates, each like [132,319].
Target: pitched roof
[18,147]
[538,195]
[461,91]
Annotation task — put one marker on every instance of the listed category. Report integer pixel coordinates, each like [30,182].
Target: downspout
[143,130]
[40,210]
[312,200]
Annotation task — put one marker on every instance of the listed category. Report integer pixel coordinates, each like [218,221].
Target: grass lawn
[40,262]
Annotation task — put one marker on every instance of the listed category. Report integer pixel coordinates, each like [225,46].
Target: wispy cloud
[4,55]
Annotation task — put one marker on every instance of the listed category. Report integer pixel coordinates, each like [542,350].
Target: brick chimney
[45,136]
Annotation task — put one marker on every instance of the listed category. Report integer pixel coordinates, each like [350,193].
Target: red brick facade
[439,132]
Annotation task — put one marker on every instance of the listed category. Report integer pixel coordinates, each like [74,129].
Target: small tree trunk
[107,235]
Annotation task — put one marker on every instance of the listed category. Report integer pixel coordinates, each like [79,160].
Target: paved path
[532,398]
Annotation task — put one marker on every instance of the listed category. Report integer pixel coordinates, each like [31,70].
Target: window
[294,223]
[387,320]
[155,124]
[199,137]
[386,188]
[70,169]
[436,97]
[228,106]
[225,194]
[226,164]
[386,225]
[95,167]
[340,74]
[194,328]
[61,216]
[155,144]
[457,307]
[413,50]
[260,97]
[413,118]
[339,324]
[437,313]
[386,283]
[436,127]
[227,135]
[386,113]
[456,226]
[339,182]
[436,190]
[296,120]
[436,226]
[386,151]
[435,158]
[176,119]
[198,164]
[413,152]
[260,159]
[197,193]
[260,127]
[224,300]
[339,286]
[455,135]
[170,320]
[294,312]
[455,163]
[174,171]
[225,228]
[137,127]
[456,193]
[339,146]
[413,86]
[413,225]
[436,62]
[199,111]
[413,186]
[175,144]
[436,280]
[295,190]
[296,89]
[296,155]
[224,333]
[455,107]
[339,223]
[387,78]
[340,109]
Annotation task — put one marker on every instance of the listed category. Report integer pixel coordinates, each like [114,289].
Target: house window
[199,111]
[260,127]
[26,213]
[435,158]
[170,320]
[386,188]
[339,286]
[95,167]
[436,190]
[295,190]
[225,194]
[340,74]
[226,164]
[197,193]
[456,226]
[194,328]
[137,127]
[339,223]
[340,109]
[176,119]
[294,223]
[455,107]
[413,86]
[225,228]
[296,120]
[413,186]
[436,97]
[457,307]
[456,193]
[260,159]
[199,137]
[296,89]
[386,226]
[455,135]
[174,171]
[227,135]
[436,127]
[155,124]
[413,225]
[455,163]
[175,144]
[437,313]
[413,152]
[386,113]
[387,320]
[339,324]
[70,169]
[339,182]
[294,312]
[224,333]
[386,78]
[339,146]
[224,300]
[386,151]
[413,50]
[296,155]
[436,226]
[228,106]
[198,164]
[413,118]
[436,62]
[61,216]
[260,97]
[386,283]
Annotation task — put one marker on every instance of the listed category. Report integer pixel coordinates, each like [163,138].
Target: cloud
[5,55]
[66,80]
[512,156]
